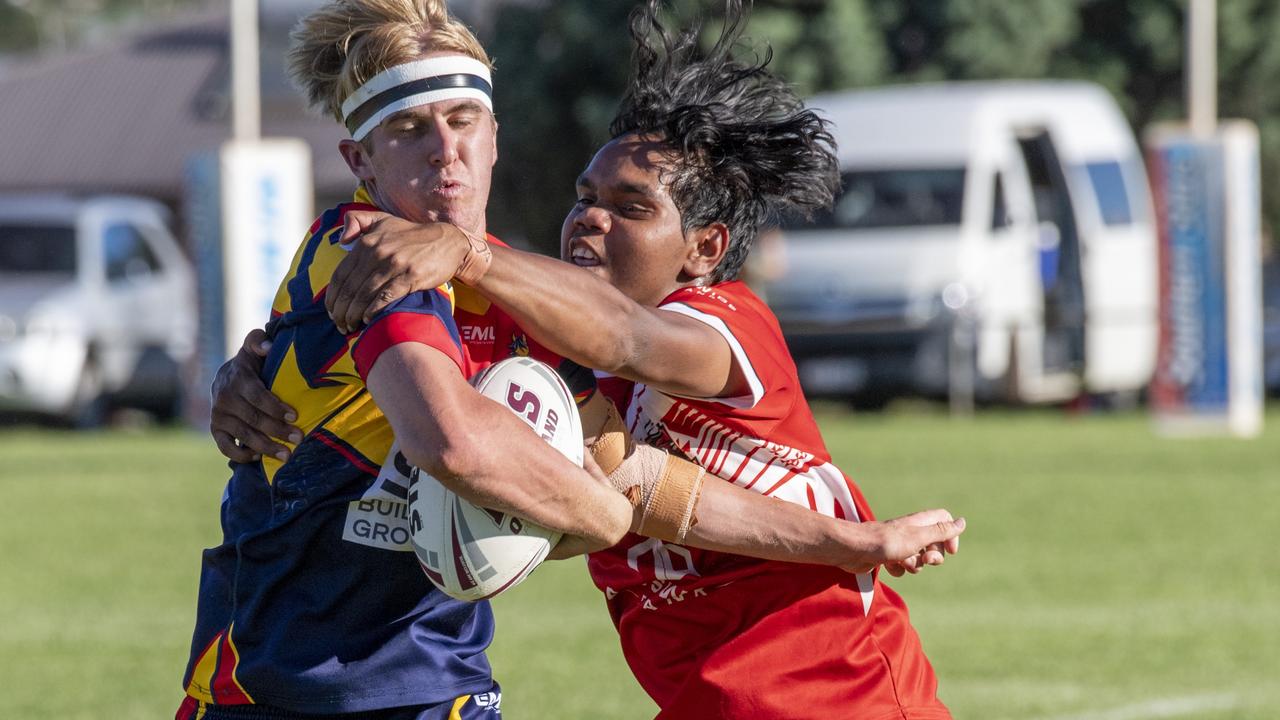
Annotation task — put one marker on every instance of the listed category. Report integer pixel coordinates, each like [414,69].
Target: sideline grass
[1104,568]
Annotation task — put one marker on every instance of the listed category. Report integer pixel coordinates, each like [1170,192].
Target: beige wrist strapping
[665,487]
[601,421]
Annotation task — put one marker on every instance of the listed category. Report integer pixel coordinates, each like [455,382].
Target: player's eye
[406,128]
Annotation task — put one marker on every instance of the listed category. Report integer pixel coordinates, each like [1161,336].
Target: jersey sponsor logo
[711,293]
[667,561]
[660,593]
[380,519]
[795,459]
[478,334]
[490,701]
[519,346]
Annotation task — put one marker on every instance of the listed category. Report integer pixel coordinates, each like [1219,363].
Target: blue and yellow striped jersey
[293,613]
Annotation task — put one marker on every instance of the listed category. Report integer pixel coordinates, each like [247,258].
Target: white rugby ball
[472,553]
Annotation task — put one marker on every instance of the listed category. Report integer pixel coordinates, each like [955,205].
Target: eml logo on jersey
[477,333]
[380,519]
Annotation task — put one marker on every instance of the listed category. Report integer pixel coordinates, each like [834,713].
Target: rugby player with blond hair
[300,614]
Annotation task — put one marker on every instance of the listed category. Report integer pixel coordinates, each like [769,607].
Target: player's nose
[445,150]
[592,219]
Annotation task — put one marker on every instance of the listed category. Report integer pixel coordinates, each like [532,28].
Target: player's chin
[454,211]
[424,215]
[597,269]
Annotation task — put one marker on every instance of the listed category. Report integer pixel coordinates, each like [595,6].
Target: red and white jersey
[711,634]
[766,441]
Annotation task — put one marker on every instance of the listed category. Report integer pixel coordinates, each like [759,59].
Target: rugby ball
[473,553]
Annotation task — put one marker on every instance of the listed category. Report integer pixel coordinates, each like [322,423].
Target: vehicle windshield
[895,199]
[32,249]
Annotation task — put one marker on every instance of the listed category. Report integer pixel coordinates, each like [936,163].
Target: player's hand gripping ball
[472,553]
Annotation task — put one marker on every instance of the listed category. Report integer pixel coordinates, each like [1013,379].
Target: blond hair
[340,46]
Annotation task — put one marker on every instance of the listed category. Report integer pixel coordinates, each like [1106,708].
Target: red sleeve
[424,317]
[734,312]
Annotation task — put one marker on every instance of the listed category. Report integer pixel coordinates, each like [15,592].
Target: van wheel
[90,408]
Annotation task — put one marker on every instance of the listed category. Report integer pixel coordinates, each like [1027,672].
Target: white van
[97,307]
[993,236]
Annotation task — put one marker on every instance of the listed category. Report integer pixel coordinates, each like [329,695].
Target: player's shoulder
[328,225]
[437,301]
[747,323]
[731,302]
[322,249]
[731,297]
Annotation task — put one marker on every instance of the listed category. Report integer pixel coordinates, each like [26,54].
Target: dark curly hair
[743,149]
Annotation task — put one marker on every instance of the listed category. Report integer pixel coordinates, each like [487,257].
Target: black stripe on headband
[370,107]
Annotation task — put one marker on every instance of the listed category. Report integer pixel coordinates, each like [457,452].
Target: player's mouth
[448,189]
[582,255]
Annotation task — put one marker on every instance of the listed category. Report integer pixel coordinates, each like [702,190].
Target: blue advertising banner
[1207,206]
[1191,372]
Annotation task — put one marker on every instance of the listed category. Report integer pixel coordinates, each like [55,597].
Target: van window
[897,198]
[127,253]
[1107,180]
[37,249]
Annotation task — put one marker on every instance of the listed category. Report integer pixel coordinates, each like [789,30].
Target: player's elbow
[456,459]
[604,526]
[614,526]
[613,349]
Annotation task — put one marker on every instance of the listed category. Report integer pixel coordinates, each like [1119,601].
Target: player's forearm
[486,454]
[731,519]
[505,467]
[567,309]
[495,461]
[676,502]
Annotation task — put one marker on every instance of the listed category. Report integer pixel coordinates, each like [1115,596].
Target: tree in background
[1248,67]
[61,25]
[562,66]
[560,70]
[18,30]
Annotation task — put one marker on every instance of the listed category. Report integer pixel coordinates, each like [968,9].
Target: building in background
[125,117]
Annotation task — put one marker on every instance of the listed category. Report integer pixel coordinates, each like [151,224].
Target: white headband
[412,84]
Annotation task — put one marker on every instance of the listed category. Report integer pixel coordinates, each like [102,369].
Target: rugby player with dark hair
[723,620]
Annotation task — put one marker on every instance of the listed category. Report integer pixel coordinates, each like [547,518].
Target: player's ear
[357,158]
[705,249]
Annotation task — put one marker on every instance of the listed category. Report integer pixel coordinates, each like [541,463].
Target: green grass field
[1106,573]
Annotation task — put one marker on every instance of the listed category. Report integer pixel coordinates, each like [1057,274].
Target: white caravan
[992,238]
